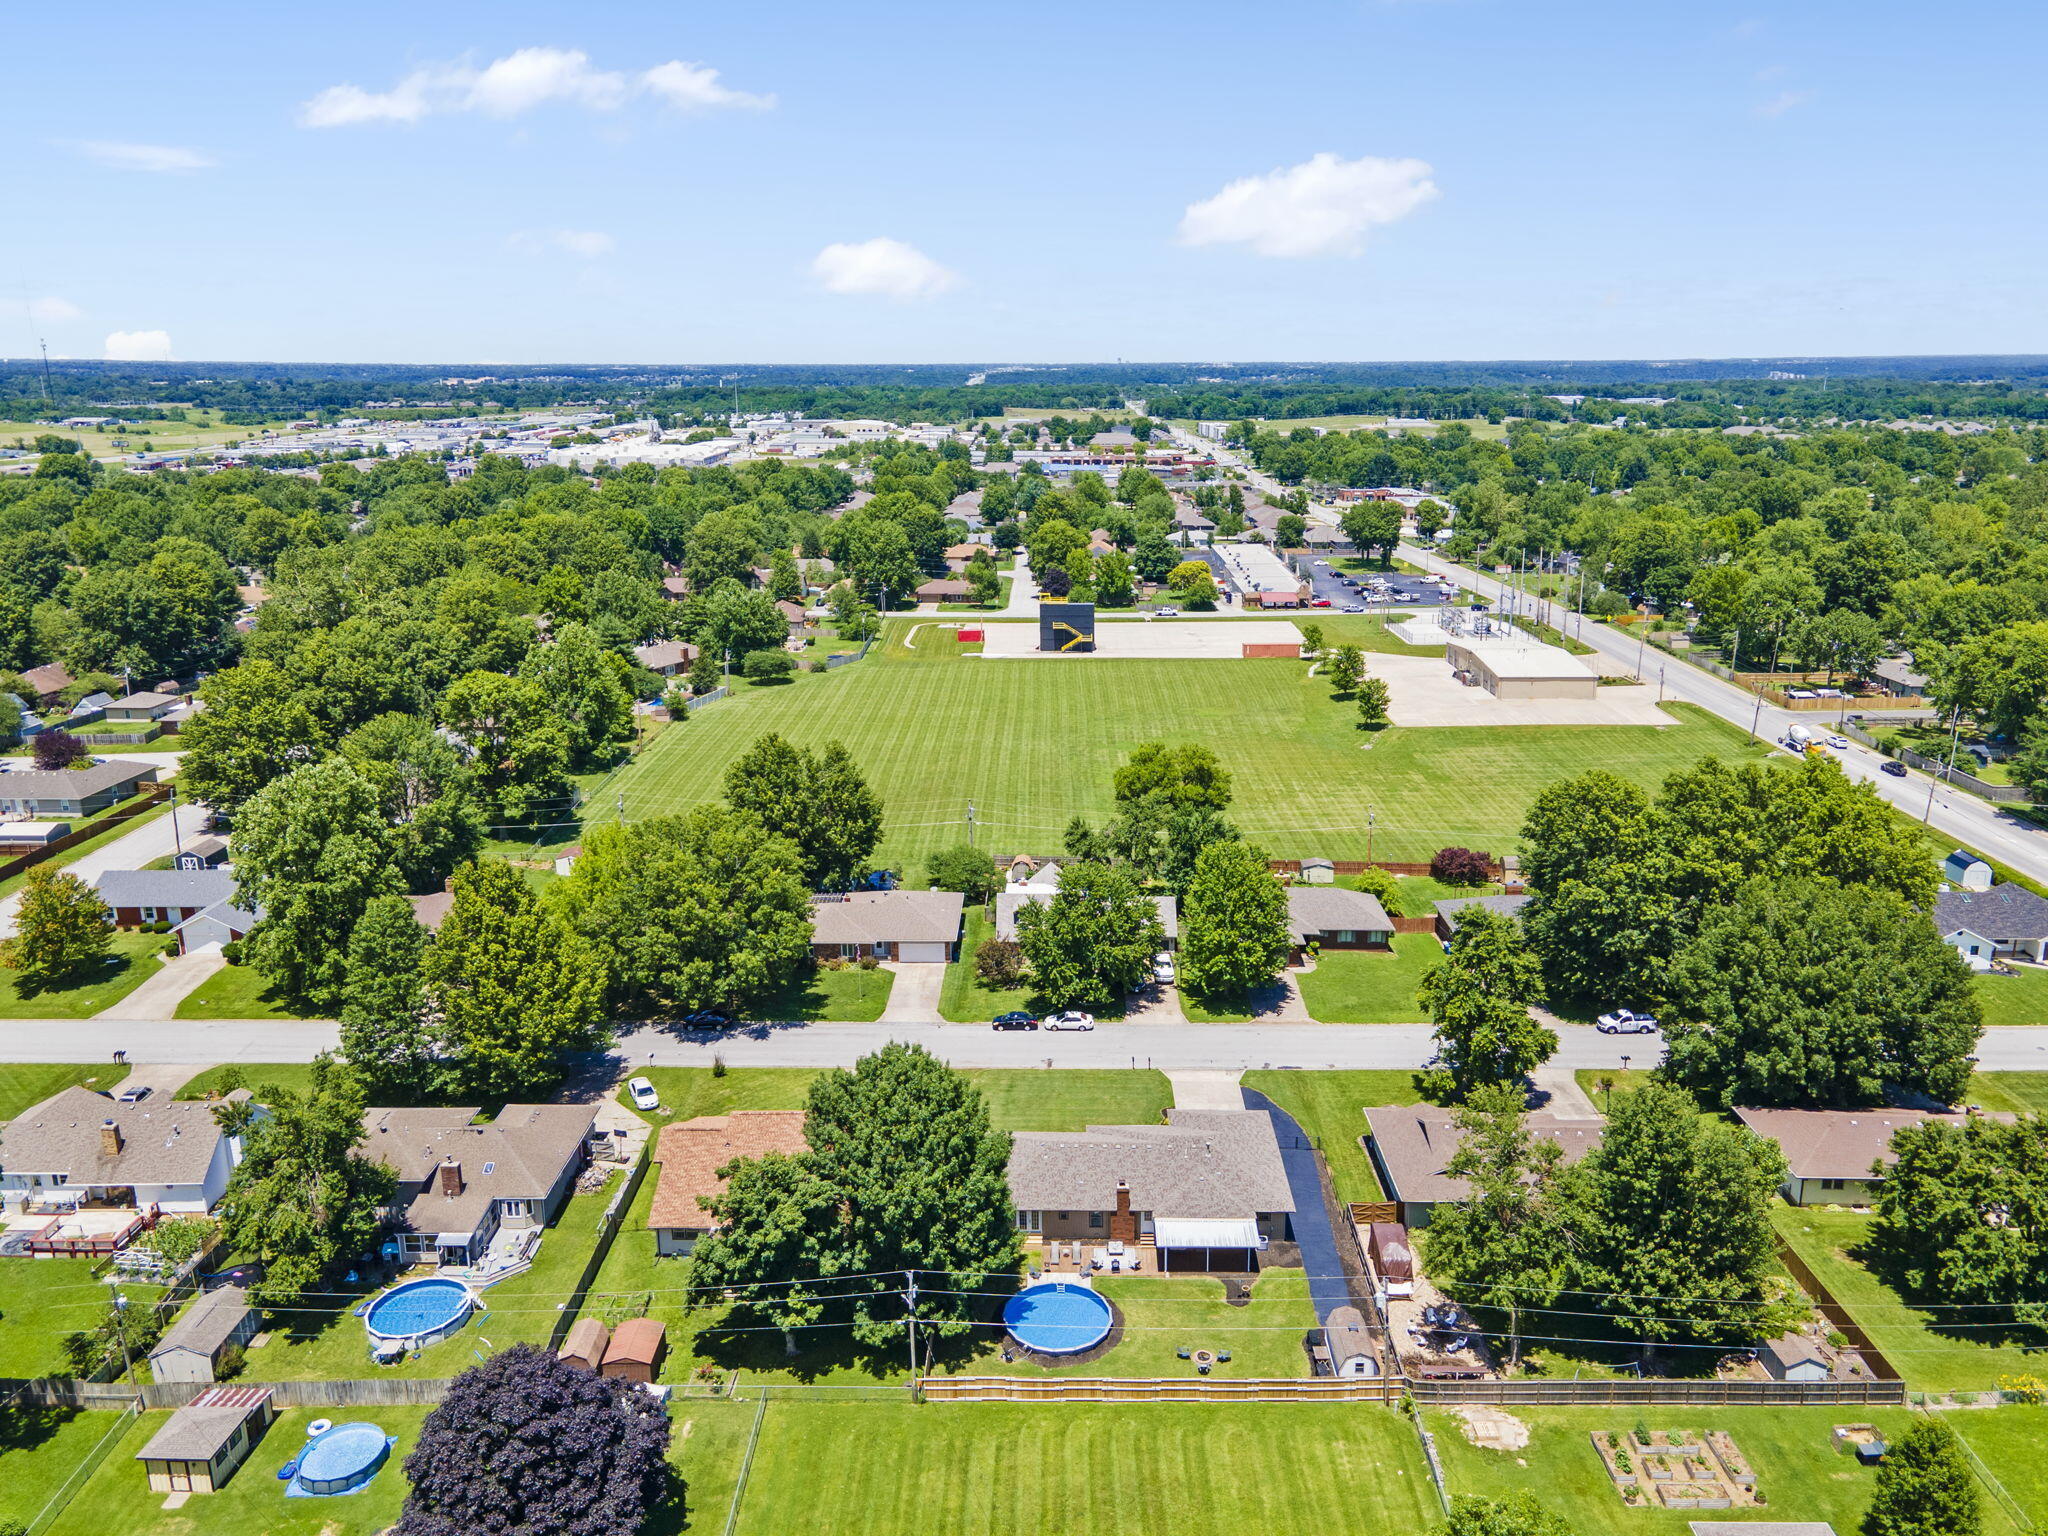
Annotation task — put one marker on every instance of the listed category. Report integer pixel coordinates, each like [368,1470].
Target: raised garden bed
[1677,1469]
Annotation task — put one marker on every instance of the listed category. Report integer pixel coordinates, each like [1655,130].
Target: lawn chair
[1182,1353]
[1137,1262]
[1222,1357]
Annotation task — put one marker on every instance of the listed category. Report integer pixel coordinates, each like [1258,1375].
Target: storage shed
[585,1346]
[199,1448]
[191,1349]
[1794,1357]
[636,1350]
[1350,1344]
[1393,1258]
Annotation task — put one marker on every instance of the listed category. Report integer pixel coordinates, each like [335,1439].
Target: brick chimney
[110,1139]
[451,1178]
[1123,1226]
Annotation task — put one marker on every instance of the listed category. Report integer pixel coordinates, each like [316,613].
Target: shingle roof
[892,917]
[2003,912]
[162,1141]
[199,888]
[208,1323]
[517,1156]
[692,1151]
[1414,1142]
[664,653]
[197,1431]
[1010,902]
[637,1339]
[1838,1143]
[1202,1164]
[73,783]
[1331,908]
[1507,906]
[146,700]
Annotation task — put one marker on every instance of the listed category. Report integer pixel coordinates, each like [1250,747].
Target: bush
[966,869]
[776,666]
[230,1364]
[999,963]
[818,664]
[1375,881]
[232,951]
[56,750]
[867,962]
[1460,866]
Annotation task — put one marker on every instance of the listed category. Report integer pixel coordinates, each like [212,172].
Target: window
[1095,1221]
[1031,1221]
[518,1208]
[1344,936]
[149,914]
[1832,1183]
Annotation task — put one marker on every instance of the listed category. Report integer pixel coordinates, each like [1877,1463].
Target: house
[48,681]
[1447,911]
[1897,678]
[431,910]
[674,588]
[202,853]
[460,1186]
[794,614]
[192,1348]
[1318,871]
[1325,540]
[139,897]
[83,1148]
[222,924]
[670,658]
[1832,1156]
[1029,882]
[945,592]
[143,706]
[2006,920]
[690,1153]
[1965,871]
[960,556]
[585,1344]
[199,1448]
[1793,1358]
[72,791]
[636,1350]
[1331,917]
[916,926]
[1409,1144]
[1208,1190]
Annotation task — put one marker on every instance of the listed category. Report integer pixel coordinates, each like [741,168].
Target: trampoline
[418,1312]
[341,1460]
[1055,1318]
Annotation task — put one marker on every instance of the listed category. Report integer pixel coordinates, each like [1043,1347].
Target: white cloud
[46,311]
[1782,103]
[1323,207]
[881,266]
[519,82]
[139,346]
[163,159]
[587,243]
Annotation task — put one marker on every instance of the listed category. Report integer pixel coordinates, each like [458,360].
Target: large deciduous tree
[1182,774]
[255,728]
[1925,1486]
[1094,941]
[1234,928]
[304,1201]
[1962,1216]
[584,680]
[517,746]
[530,1443]
[427,795]
[964,868]
[1479,1000]
[311,853]
[818,801]
[61,933]
[1810,993]
[384,1030]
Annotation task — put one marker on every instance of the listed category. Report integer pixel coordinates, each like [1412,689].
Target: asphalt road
[149,842]
[1174,1047]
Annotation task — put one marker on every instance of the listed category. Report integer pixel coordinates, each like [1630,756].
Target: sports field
[1033,744]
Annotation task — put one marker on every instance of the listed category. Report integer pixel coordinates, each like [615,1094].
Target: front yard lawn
[1019,1098]
[963,999]
[2017,999]
[131,959]
[236,992]
[2019,1092]
[1934,1352]
[258,1075]
[26,1084]
[848,995]
[1327,1106]
[1371,986]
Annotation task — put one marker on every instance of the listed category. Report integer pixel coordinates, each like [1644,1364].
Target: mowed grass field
[1032,744]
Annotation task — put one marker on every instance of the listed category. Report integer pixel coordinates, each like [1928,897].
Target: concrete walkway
[914,995]
[1206,1090]
[1023,603]
[175,980]
[1558,1092]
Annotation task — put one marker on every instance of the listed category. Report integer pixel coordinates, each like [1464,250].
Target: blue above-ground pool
[342,1459]
[1057,1318]
[418,1312]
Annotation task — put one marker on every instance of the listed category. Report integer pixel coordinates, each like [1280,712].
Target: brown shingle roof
[197,1431]
[692,1151]
[518,1156]
[637,1339]
[887,917]
[1333,909]
[1414,1142]
[1837,1143]
[1202,1164]
[162,1142]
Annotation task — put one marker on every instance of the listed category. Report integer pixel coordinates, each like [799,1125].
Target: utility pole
[970,823]
[1955,726]
[910,1302]
[177,840]
[121,1327]
[47,397]
[1370,817]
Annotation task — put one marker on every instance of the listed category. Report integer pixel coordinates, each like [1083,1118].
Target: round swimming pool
[1055,1318]
[345,1457]
[419,1311]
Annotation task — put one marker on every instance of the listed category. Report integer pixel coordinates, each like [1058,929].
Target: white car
[1167,613]
[1162,966]
[1839,743]
[644,1094]
[1073,1018]
[132,1095]
[1624,1021]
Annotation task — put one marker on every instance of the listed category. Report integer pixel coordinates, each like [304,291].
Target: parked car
[1319,602]
[644,1094]
[1625,1021]
[1894,767]
[1016,1021]
[1073,1018]
[711,1018]
[132,1095]
[1168,612]
[1162,966]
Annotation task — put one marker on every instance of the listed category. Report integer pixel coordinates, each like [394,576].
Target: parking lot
[1349,589]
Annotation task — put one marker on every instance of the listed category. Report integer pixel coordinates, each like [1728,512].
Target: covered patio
[1227,1245]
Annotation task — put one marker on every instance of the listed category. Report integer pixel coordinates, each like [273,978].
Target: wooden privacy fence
[1391,1389]
[1161,1389]
[377,1392]
[1836,1313]
[150,795]
[1415,924]
[1365,1212]
[1623,1390]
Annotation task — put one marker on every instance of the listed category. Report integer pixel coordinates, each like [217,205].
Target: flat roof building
[1512,667]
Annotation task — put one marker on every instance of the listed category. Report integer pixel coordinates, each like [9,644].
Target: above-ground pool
[343,1459]
[1056,1318]
[418,1312]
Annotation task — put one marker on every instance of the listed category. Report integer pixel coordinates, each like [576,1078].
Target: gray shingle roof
[1331,909]
[1414,1142]
[198,1431]
[197,888]
[887,917]
[1211,1164]
[2001,913]
[208,1323]
[162,1141]
[1010,902]
[1507,906]
[73,783]
[517,1156]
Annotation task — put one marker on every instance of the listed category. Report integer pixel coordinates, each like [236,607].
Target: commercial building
[1263,577]
[1514,666]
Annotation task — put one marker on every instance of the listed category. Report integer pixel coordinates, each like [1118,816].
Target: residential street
[1168,1047]
[131,850]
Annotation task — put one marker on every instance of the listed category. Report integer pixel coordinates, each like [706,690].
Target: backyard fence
[1653,1390]
[150,796]
[2004,794]
[1159,1389]
[1366,1212]
[1360,866]
[71,1392]
[66,1491]
[607,1230]
[118,738]
[1415,924]
[1836,1314]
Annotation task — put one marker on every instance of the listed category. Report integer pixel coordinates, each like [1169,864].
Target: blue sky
[893,181]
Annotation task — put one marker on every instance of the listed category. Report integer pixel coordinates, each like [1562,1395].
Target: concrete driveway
[170,984]
[914,995]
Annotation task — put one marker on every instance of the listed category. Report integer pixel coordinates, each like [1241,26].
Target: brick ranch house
[691,1152]
[913,926]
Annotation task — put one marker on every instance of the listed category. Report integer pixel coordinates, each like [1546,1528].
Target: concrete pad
[1155,640]
[914,995]
[1206,1090]
[1559,1093]
[1424,693]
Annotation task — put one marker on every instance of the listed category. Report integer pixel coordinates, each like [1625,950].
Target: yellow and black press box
[1066,626]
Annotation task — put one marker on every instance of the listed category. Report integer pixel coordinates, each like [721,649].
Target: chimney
[451,1178]
[1123,1226]
[110,1139]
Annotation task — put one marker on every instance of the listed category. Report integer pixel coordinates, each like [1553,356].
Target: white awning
[1180,1232]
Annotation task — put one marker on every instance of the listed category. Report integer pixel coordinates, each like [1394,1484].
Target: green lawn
[295,1075]
[1033,744]
[1366,986]
[1000,1469]
[2011,1000]
[236,992]
[1019,1099]
[1934,1353]
[1327,1105]
[23,1084]
[2017,1092]
[130,960]
[39,1449]
[963,999]
[1163,1314]
[1798,1470]
[2008,1444]
[41,1300]
[849,995]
